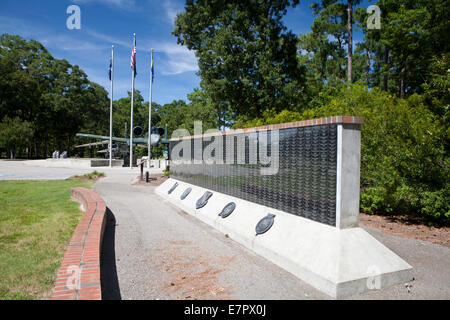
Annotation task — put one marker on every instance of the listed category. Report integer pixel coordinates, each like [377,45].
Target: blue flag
[110,69]
[153,71]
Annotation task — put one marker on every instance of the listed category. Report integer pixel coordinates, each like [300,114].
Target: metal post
[111,107]
[150,114]
[132,105]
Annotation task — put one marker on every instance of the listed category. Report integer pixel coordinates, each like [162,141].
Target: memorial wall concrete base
[337,261]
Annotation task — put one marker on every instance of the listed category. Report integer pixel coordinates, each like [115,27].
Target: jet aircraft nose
[154,139]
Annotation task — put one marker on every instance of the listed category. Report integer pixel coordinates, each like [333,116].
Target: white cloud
[118,3]
[172,10]
[179,58]
[18,26]
[106,38]
[50,40]
[68,43]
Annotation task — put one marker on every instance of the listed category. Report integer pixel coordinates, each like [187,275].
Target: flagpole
[132,105]
[111,107]
[150,114]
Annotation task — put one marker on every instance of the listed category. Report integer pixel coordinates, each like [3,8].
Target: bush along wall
[405,169]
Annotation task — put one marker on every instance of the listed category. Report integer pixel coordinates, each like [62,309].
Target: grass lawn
[37,219]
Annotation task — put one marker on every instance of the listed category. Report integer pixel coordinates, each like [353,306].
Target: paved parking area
[26,170]
[43,170]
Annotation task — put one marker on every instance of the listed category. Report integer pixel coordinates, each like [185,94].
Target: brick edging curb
[79,275]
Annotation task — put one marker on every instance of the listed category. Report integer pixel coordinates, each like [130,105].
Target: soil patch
[407,227]
[155,180]
[191,273]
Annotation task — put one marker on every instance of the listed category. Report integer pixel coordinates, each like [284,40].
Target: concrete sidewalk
[154,251]
[47,170]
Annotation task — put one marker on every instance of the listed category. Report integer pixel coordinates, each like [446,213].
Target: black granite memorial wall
[303,185]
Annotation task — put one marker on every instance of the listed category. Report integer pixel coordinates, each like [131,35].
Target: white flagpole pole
[132,105]
[111,107]
[150,114]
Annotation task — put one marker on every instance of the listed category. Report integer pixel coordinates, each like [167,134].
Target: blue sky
[108,22]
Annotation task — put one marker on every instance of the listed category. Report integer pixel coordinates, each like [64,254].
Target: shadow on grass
[108,271]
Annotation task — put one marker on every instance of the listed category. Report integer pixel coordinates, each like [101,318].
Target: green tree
[437,86]
[122,114]
[15,134]
[172,115]
[405,168]
[247,59]
[201,108]
[179,114]
[53,96]
[413,34]
[335,18]
[320,57]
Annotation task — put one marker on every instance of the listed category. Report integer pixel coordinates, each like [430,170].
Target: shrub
[94,175]
[404,163]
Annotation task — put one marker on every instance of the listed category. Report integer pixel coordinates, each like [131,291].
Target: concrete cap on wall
[288,125]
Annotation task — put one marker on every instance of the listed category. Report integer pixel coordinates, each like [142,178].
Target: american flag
[133,60]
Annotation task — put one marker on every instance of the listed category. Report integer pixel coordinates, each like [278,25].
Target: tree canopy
[247,58]
[53,97]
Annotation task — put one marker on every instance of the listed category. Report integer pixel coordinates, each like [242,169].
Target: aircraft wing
[87,135]
[106,150]
[92,144]
[155,139]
